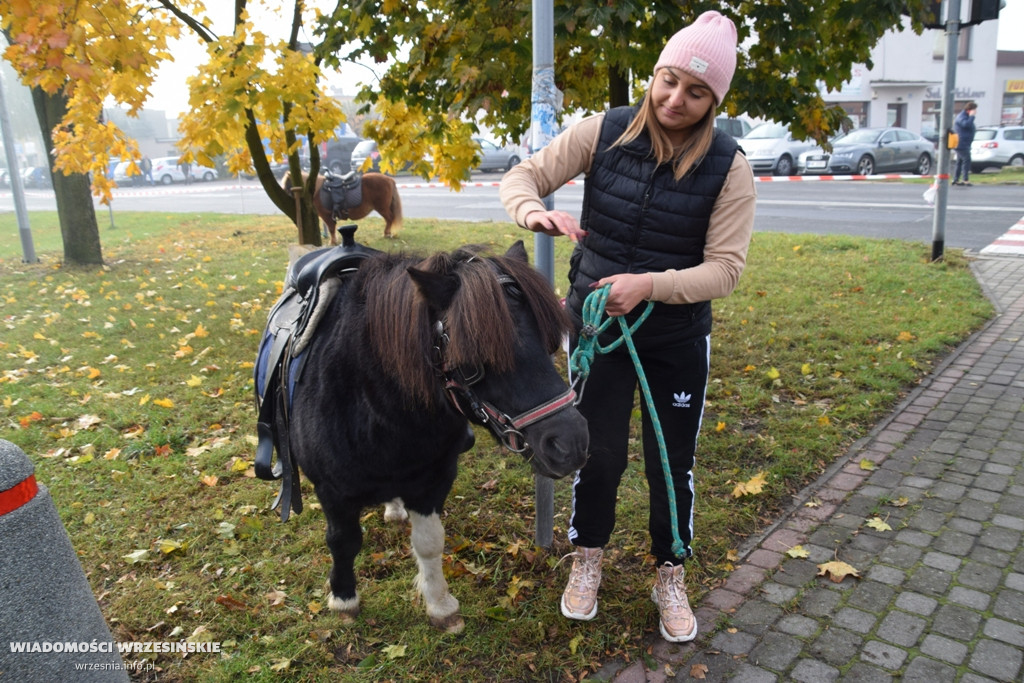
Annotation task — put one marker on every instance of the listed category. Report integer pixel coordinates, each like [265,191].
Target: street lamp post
[28,249]
[542,129]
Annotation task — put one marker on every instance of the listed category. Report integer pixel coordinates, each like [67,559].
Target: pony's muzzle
[559,444]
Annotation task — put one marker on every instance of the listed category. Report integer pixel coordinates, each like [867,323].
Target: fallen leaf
[878,524]
[87,421]
[750,487]
[836,571]
[168,546]
[698,671]
[868,465]
[136,556]
[798,551]
[231,603]
[209,480]
[394,651]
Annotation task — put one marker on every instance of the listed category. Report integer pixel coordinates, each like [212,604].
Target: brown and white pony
[379,193]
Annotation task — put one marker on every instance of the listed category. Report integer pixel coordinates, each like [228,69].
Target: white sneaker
[677,623]
[579,600]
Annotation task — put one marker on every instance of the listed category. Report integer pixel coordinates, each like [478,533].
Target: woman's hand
[627,290]
[555,223]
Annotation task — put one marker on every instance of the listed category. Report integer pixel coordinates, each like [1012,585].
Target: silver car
[997,147]
[495,158]
[867,151]
[770,148]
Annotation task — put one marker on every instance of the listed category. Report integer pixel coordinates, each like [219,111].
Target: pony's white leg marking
[394,511]
[427,545]
[349,608]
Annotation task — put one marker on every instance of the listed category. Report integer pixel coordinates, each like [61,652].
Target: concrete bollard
[46,603]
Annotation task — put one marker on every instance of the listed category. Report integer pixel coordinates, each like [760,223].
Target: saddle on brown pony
[341,192]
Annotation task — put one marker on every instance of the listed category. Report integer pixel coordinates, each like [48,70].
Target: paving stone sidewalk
[941,596]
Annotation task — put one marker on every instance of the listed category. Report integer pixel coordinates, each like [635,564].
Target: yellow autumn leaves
[751,487]
[837,570]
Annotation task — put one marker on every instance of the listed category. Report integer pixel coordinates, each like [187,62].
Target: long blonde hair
[693,151]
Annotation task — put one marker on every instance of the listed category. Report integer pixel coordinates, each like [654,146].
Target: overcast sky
[171,94]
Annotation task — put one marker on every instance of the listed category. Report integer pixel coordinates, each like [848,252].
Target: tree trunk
[618,86]
[78,228]
[308,227]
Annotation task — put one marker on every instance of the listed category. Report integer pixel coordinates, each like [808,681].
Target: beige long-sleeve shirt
[729,230]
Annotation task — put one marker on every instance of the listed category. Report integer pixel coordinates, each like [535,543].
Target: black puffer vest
[640,219]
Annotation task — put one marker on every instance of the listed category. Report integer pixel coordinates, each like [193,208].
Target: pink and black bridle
[506,429]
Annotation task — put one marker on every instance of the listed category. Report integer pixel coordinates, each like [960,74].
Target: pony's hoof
[452,623]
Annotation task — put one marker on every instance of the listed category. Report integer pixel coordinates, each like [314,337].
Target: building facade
[903,87]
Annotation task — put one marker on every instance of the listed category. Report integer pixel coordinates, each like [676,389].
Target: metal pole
[946,116]
[542,129]
[28,249]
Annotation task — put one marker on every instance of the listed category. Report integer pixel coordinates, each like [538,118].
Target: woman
[668,212]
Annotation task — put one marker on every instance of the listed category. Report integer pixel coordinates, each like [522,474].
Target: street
[976,216]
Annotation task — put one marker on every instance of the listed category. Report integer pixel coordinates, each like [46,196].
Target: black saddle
[339,192]
[282,356]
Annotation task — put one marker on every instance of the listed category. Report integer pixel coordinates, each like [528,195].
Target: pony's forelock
[480,328]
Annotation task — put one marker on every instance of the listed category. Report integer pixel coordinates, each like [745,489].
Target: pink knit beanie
[706,49]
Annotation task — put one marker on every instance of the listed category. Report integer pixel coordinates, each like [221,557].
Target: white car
[770,148]
[167,171]
[997,147]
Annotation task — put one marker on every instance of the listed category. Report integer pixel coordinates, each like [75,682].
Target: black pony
[407,353]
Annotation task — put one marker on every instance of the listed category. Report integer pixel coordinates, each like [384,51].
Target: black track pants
[678,377]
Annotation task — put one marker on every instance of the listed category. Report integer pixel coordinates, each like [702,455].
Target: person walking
[186,170]
[964,128]
[668,213]
[147,169]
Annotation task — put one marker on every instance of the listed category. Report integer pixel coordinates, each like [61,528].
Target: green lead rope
[579,366]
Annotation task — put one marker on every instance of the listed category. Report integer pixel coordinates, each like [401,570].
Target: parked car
[121,176]
[166,171]
[997,147]
[36,177]
[338,158]
[495,158]
[866,151]
[367,149]
[770,148]
[734,127]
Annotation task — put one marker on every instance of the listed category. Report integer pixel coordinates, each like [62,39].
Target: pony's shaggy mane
[480,326]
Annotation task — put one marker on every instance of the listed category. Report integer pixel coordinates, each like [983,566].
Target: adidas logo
[682,399]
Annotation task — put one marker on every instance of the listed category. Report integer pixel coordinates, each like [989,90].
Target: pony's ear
[518,251]
[438,290]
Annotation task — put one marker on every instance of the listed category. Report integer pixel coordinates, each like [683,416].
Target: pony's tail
[396,208]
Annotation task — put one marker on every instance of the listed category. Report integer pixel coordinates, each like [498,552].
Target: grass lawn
[130,387]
